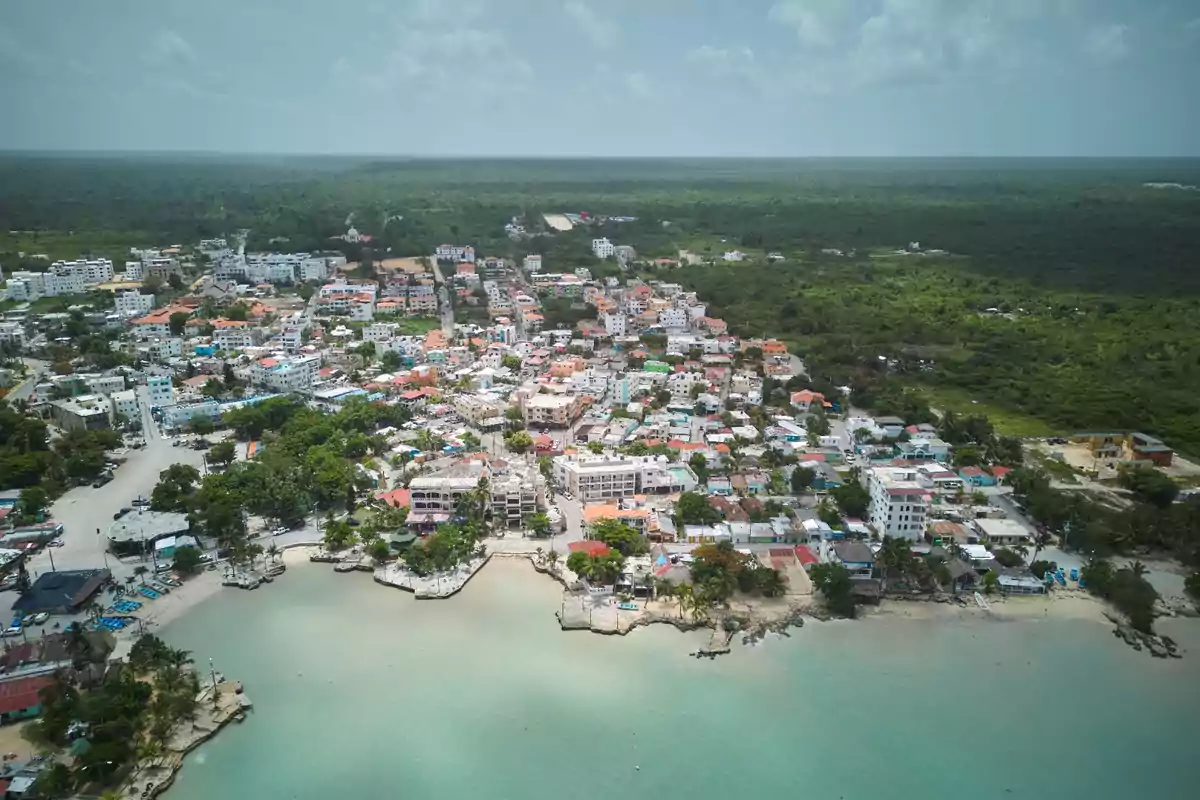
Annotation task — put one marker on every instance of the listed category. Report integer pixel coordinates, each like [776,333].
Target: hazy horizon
[604,79]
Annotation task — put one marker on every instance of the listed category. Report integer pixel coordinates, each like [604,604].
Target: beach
[483,695]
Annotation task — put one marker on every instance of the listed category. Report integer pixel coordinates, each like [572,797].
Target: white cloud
[638,86]
[817,23]
[600,31]
[1108,44]
[169,47]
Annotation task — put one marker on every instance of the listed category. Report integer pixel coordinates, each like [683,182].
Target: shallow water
[363,692]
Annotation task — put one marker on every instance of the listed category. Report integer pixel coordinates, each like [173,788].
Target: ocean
[362,692]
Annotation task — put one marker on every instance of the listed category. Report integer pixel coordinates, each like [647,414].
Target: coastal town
[203,417]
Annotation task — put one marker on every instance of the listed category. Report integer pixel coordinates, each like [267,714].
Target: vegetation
[833,581]
[602,569]
[718,571]
[1126,588]
[624,539]
[27,457]
[126,716]
[694,509]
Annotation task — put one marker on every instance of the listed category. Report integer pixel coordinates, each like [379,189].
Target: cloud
[600,31]
[816,23]
[1108,44]
[638,86]
[169,46]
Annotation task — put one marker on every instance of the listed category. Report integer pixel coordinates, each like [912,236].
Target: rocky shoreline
[152,777]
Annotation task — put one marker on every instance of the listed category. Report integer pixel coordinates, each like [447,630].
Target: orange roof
[228,323]
[268,363]
[722,448]
[161,316]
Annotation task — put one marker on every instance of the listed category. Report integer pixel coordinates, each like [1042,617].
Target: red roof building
[396,498]
[19,697]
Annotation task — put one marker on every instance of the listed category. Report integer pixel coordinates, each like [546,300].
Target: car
[40,618]
[122,512]
[13,630]
[27,621]
[279,531]
[55,543]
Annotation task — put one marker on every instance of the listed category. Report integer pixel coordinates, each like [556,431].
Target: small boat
[979,601]
[345,566]
[627,606]
[1074,573]
[1058,576]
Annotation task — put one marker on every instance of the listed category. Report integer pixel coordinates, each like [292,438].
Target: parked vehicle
[14,630]
[56,543]
[103,479]
[122,512]
[40,618]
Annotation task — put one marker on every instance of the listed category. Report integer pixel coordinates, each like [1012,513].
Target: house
[976,476]
[920,448]
[719,485]
[855,557]
[21,698]
[891,427]
[1144,447]
[1002,532]
[805,401]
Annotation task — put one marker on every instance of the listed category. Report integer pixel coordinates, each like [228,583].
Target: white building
[134,304]
[12,333]
[614,323]
[603,248]
[236,337]
[673,318]
[380,332]
[161,391]
[532,264]
[454,252]
[734,255]
[286,374]
[125,405]
[594,478]
[133,271]
[899,503]
[680,384]
[552,410]
[162,349]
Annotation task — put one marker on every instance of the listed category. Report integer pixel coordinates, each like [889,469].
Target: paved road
[24,389]
[445,310]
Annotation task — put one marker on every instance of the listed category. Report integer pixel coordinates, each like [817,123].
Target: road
[24,389]
[445,310]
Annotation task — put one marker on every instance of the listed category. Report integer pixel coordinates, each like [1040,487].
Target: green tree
[620,537]
[187,560]
[694,509]
[538,524]
[802,479]
[518,441]
[32,501]
[851,497]
[223,452]
[836,586]
[699,465]
[1148,485]
[178,321]
[212,388]
[175,489]
[596,448]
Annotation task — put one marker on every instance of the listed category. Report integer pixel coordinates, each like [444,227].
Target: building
[62,592]
[12,333]
[157,323]
[517,492]
[234,335]
[436,497]
[86,412]
[532,264]
[285,374]
[134,304]
[455,253]
[899,502]
[603,248]
[20,698]
[1002,532]
[177,416]
[598,478]
[160,390]
[552,410]
[125,406]
[138,530]
[614,323]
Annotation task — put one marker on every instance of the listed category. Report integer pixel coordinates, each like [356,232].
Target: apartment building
[125,406]
[899,502]
[235,335]
[157,323]
[161,391]
[603,248]
[532,264]
[517,492]
[161,349]
[614,323]
[455,253]
[483,411]
[86,412]
[12,333]
[434,498]
[595,478]
[134,304]
[673,318]
[552,410]
[680,385]
[285,374]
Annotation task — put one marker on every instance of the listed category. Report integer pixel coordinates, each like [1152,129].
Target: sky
[603,77]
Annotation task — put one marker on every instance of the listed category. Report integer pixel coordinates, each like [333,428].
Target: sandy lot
[558,222]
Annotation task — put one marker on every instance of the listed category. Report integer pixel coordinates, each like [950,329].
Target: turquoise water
[362,692]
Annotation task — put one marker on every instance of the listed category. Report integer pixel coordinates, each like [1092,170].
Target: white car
[15,630]
[40,618]
[56,543]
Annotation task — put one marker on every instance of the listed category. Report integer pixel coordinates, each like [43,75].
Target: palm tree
[663,588]
[273,551]
[1138,568]
[552,559]
[178,658]
[140,571]
[685,596]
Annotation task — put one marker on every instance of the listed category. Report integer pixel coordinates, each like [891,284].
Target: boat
[979,601]
[1074,573]
[345,566]
[1062,580]
[627,606]
[276,569]
[325,558]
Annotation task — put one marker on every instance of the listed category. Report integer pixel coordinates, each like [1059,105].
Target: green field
[1006,421]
